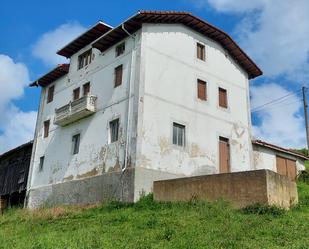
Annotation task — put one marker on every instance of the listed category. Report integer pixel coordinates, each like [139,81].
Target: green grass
[148,224]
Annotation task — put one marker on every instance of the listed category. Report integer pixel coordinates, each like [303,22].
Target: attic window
[84,59]
[120,49]
[200,51]
[50,94]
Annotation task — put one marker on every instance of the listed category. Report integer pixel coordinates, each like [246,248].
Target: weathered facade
[14,169]
[162,95]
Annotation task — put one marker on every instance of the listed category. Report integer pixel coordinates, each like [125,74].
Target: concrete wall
[169,94]
[265,158]
[240,188]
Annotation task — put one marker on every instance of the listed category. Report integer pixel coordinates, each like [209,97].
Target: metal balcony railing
[75,110]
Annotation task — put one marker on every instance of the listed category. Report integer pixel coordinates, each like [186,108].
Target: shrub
[263,210]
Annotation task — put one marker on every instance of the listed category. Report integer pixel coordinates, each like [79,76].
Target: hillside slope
[151,225]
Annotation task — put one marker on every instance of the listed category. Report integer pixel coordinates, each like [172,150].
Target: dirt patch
[92,172]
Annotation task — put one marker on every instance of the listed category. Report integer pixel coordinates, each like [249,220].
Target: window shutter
[50,94]
[118,76]
[86,88]
[201,89]
[76,93]
[46,128]
[222,97]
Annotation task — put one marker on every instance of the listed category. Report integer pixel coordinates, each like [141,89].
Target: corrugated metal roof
[134,23]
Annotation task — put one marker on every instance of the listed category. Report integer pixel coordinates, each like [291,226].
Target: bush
[263,210]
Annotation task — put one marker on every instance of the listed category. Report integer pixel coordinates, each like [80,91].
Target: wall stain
[68,178]
[92,172]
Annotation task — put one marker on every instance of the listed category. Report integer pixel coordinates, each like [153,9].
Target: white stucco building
[164,94]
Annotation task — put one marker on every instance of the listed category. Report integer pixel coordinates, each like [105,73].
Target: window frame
[50,94]
[111,134]
[75,143]
[183,140]
[41,163]
[223,104]
[116,70]
[84,59]
[120,49]
[84,87]
[200,55]
[76,90]
[198,82]
[46,125]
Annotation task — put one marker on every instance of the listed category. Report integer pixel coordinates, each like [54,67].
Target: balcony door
[224,155]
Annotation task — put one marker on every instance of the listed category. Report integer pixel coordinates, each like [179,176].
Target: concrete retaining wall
[239,188]
[109,186]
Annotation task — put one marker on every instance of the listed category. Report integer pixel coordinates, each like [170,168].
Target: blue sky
[274,33]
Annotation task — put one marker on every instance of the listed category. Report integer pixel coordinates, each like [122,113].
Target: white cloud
[275,33]
[50,42]
[16,126]
[281,122]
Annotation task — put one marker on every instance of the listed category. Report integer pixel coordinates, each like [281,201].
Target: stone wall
[240,188]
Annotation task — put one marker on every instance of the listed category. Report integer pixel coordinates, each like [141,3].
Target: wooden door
[224,155]
[281,165]
[291,169]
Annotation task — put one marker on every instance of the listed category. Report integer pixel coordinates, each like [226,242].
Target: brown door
[291,169]
[224,155]
[286,167]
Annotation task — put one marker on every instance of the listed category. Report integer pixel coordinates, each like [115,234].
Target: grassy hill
[148,224]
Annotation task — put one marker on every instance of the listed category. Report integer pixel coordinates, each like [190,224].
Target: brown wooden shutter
[76,93]
[291,169]
[46,128]
[86,89]
[118,76]
[201,89]
[50,94]
[222,97]
[200,51]
[224,155]
[281,165]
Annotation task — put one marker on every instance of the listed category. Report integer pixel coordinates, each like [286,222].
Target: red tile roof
[278,148]
[51,76]
[134,23]
[83,40]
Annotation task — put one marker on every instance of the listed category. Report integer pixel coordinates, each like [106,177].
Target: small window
[75,143]
[200,51]
[114,130]
[86,89]
[118,76]
[179,133]
[201,89]
[41,165]
[50,94]
[120,49]
[222,97]
[46,128]
[84,59]
[76,93]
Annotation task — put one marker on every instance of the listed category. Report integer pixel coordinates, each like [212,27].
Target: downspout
[128,125]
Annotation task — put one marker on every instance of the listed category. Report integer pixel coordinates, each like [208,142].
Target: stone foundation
[240,189]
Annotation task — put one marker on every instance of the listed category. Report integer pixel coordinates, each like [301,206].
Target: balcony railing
[75,110]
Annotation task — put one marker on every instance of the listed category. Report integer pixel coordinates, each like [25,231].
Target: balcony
[75,110]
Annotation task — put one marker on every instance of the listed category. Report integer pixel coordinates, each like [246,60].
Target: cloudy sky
[273,32]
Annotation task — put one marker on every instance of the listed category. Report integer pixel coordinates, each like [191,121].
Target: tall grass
[148,224]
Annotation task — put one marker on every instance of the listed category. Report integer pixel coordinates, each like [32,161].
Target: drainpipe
[128,125]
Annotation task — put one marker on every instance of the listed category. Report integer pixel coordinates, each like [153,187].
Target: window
[41,165]
[86,89]
[120,49]
[46,128]
[76,93]
[201,89]
[50,94]
[222,97]
[179,134]
[200,51]
[118,76]
[75,143]
[114,130]
[84,59]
